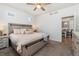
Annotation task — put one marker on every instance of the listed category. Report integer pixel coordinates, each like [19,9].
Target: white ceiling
[50,7]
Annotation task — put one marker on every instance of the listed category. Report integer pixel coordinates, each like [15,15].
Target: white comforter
[24,39]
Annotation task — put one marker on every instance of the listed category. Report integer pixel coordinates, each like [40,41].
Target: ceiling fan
[38,5]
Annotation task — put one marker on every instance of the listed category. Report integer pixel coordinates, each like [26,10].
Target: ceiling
[29,8]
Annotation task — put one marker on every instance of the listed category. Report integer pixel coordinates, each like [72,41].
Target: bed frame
[31,48]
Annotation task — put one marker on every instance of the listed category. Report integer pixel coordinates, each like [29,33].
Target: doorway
[67,28]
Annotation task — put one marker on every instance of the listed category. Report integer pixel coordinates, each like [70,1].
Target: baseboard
[54,42]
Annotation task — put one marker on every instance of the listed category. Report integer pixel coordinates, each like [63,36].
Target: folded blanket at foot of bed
[19,48]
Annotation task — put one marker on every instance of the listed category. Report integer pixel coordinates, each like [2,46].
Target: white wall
[12,15]
[77,18]
[52,23]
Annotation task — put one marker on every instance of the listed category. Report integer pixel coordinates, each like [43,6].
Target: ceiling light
[38,6]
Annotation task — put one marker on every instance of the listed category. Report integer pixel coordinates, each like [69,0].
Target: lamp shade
[35,27]
[1,28]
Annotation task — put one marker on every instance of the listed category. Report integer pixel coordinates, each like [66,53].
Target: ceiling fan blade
[42,8]
[30,3]
[34,8]
[47,3]
[38,3]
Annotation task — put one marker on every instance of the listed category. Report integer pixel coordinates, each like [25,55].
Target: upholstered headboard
[12,26]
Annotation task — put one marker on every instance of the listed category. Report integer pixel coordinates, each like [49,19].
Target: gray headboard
[12,26]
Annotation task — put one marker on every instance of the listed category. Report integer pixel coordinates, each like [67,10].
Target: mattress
[24,39]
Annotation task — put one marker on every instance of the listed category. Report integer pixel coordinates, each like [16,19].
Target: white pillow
[22,31]
[28,32]
[16,31]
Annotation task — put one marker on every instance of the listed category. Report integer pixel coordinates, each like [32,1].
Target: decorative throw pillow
[28,31]
[16,31]
[22,31]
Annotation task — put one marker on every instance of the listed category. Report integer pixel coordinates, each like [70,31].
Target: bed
[26,44]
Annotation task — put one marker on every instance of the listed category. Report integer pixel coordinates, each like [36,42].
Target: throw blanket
[19,48]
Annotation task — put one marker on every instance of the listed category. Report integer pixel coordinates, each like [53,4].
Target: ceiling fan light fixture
[38,6]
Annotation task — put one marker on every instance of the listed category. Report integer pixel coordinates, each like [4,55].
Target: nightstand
[4,41]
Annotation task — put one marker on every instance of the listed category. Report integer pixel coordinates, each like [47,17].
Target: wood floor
[57,49]
[67,41]
[52,49]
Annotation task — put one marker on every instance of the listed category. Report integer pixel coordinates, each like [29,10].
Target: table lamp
[1,30]
[35,28]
